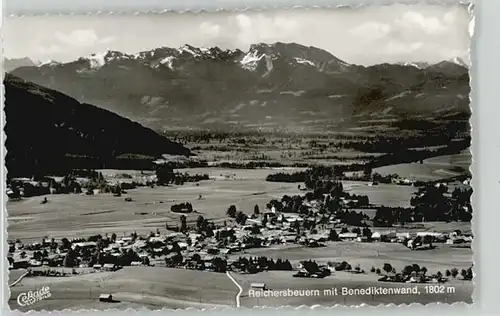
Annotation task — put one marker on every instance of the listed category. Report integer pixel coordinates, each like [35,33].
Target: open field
[431,169]
[287,150]
[15,274]
[153,288]
[213,173]
[81,215]
[134,287]
[374,254]
[382,194]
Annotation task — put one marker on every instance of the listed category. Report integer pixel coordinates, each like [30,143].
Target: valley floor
[75,216]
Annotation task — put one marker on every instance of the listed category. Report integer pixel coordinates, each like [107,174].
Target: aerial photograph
[239,159]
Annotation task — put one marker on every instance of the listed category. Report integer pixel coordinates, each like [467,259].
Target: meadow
[431,169]
[382,194]
[81,215]
[133,287]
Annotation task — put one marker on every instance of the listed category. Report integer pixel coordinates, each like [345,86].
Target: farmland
[81,215]
[369,255]
[431,169]
[133,287]
[146,209]
[382,194]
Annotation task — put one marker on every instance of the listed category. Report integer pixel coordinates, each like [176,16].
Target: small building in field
[106,298]
[84,245]
[258,286]
[109,267]
[348,236]
[34,263]
[376,236]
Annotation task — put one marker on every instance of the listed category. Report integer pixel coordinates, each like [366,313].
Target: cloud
[210,29]
[82,41]
[411,36]
[449,17]
[371,31]
[244,22]
[416,20]
[81,38]
[398,48]
[50,49]
[368,35]
[250,29]
[242,30]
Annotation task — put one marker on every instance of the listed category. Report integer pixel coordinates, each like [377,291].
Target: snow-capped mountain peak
[251,59]
[412,65]
[168,61]
[190,50]
[97,60]
[49,63]
[304,61]
[459,61]
[418,65]
[299,54]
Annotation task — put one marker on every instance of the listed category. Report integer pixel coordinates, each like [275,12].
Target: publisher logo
[31,297]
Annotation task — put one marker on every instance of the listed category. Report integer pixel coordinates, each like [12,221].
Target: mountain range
[51,133]
[274,85]
[11,64]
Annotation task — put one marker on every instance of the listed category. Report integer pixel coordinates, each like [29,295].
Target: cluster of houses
[27,187]
[414,277]
[194,250]
[85,184]
[310,269]
[416,239]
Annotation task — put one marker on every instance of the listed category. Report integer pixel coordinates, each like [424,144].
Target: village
[221,248]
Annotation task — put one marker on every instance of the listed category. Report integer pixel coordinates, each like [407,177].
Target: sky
[365,35]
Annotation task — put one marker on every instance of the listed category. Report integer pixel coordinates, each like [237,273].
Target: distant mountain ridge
[451,62]
[11,64]
[49,132]
[270,84]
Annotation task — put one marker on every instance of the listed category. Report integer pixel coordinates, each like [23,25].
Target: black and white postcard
[239,158]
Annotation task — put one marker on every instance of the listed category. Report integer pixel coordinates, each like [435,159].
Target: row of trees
[257,264]
[351,218]
[430,203]
[364,232]
[466,274]
[203,226]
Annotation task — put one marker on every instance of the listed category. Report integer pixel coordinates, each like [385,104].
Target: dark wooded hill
[49,132]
